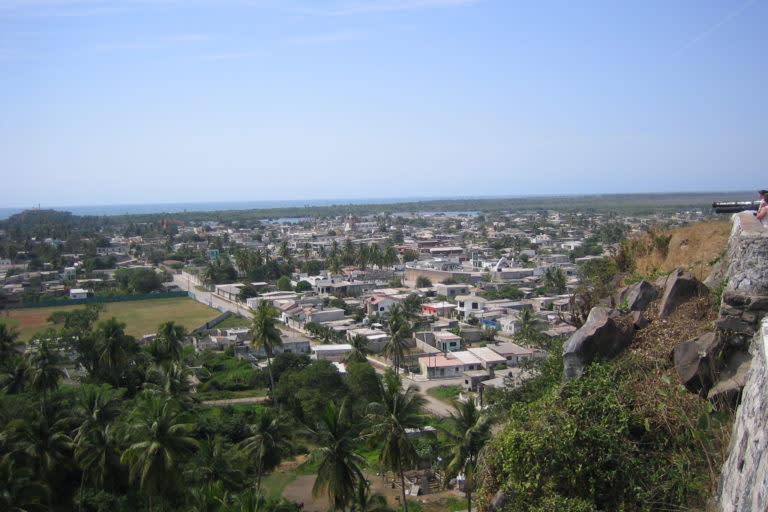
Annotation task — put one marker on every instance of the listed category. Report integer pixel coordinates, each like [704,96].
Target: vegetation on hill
[625,436]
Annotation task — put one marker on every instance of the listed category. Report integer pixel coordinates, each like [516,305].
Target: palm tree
[217,460]
[14,376]
[465,433]
[18,491]
[338,465]
[171,380]
[210,497]
[166,347]
[8,337]
[399,331]
[42,441]
[43,371]
[364,501]
[95,440]
[112,345]
[266,336]
[97,455]
[158,439]
[268,442]
[396,411]
[256,501]
[527,321]
[359,349]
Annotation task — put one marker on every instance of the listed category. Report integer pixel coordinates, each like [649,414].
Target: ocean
[123,209]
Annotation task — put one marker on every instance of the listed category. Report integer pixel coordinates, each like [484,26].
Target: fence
[213,323]
[97,300]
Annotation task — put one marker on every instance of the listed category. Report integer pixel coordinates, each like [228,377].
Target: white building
[332,352]
[78,293]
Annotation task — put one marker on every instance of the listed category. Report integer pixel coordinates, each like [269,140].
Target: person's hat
[762,192]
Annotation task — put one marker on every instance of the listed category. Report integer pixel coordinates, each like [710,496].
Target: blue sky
[144,101]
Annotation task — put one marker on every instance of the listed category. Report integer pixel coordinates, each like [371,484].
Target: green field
[445,393]
[140,316]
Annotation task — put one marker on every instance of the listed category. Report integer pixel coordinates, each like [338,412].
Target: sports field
[140,316]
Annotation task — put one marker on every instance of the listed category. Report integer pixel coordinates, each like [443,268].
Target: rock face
[745,297]
[744,479]
[733,378]
[600,336]
[696,362]
[637,296]
[681,286]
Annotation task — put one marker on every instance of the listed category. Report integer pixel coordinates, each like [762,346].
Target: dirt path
[237,401]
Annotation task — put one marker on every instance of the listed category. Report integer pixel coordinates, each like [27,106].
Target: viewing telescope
[734,206]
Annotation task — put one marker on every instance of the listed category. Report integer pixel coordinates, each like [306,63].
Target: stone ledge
[746,224]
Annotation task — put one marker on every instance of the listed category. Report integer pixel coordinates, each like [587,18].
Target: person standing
[762,210]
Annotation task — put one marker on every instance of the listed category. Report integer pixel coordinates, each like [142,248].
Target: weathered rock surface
[639,320]
[681,287]
[637,296]
[696,362]
[743,483]
[732,379]
[600,336]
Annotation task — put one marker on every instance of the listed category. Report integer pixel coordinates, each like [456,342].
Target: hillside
[694,248]
[627,435]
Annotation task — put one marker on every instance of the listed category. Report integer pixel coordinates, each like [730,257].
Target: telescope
[734,206]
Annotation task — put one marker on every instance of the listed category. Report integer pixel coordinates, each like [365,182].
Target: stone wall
[745,297]
[744,477]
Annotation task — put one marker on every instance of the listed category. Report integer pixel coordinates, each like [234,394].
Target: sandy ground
[300,491]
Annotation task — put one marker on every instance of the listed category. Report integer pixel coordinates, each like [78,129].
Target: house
[446,341]
[450,291]
[228,291]
[377,339]
[442,309]
[489,359]
[473,378]
[380,305]
[470,360]
[332,352]
[440,366]
[514,353]
[78,293]
[470,305]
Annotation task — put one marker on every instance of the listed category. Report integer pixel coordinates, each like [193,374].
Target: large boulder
[732,379]
[636,296]
[600,336]
[680,287]
[696,362]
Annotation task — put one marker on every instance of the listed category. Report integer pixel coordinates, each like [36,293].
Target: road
[188,282]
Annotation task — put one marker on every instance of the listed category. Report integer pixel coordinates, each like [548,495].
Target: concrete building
[332,352]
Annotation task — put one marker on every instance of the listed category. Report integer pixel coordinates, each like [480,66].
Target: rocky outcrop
[745,296]
[680,287]
[600,336]
[733,378]
[744,479]
[636,297]
[696,362]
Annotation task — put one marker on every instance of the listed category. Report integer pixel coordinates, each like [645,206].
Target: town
[461,308]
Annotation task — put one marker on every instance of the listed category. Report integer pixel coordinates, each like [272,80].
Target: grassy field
[445,393]
[141,316]
[234,321]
